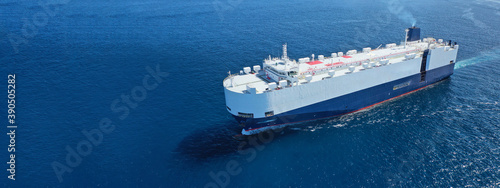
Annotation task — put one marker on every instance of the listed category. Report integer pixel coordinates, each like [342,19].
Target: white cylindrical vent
[256,68]
[367,50]
[365,66]
[340,54]
[331,73]
[334,55]
[309,78]
[372,64]
[283,83]
[391,45]
[351,68]
[384,61]
[321,57]
[247,70]
[251,89]
[272,85]
[409,56]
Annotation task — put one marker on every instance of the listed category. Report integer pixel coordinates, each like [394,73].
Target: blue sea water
[73,59]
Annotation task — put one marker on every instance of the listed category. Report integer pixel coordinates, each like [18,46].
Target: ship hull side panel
[347,103]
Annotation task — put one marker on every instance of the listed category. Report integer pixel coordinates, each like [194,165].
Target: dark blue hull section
[351,102]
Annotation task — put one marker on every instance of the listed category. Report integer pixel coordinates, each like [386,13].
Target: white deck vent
[334,55]
[365,66]
[283,83]
[256,68]
[304,60]
[352,52]
[251,89]
[367,50]
[340,54]
[272,85]
[309,78]
[391,45]
[321,57]
[246,70]
[410,56]
[372,64]
[352,68]
[384,62]
[331,73]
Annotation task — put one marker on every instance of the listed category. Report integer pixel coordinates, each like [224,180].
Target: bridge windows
[270,113]
[245,115]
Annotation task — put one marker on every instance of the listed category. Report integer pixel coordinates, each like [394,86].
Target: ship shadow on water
[221,140]
[215,141]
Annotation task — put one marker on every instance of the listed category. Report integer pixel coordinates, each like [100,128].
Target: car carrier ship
[285,91]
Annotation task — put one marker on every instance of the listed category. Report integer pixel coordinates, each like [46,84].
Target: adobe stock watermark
[255,143]
[248,147]
[48,9]
[121,106]
[225,6]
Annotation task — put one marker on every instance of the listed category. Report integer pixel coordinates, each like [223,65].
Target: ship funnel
[413,34]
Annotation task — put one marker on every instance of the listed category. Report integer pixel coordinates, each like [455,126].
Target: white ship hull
[335,96]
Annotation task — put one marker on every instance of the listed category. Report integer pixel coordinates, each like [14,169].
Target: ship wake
[484,57]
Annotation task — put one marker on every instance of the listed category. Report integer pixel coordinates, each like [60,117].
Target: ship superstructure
[285,91]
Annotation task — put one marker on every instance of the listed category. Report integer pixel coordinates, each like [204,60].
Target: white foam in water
[338,125]
[485,56]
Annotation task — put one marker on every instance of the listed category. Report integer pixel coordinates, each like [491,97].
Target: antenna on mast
[285,56]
